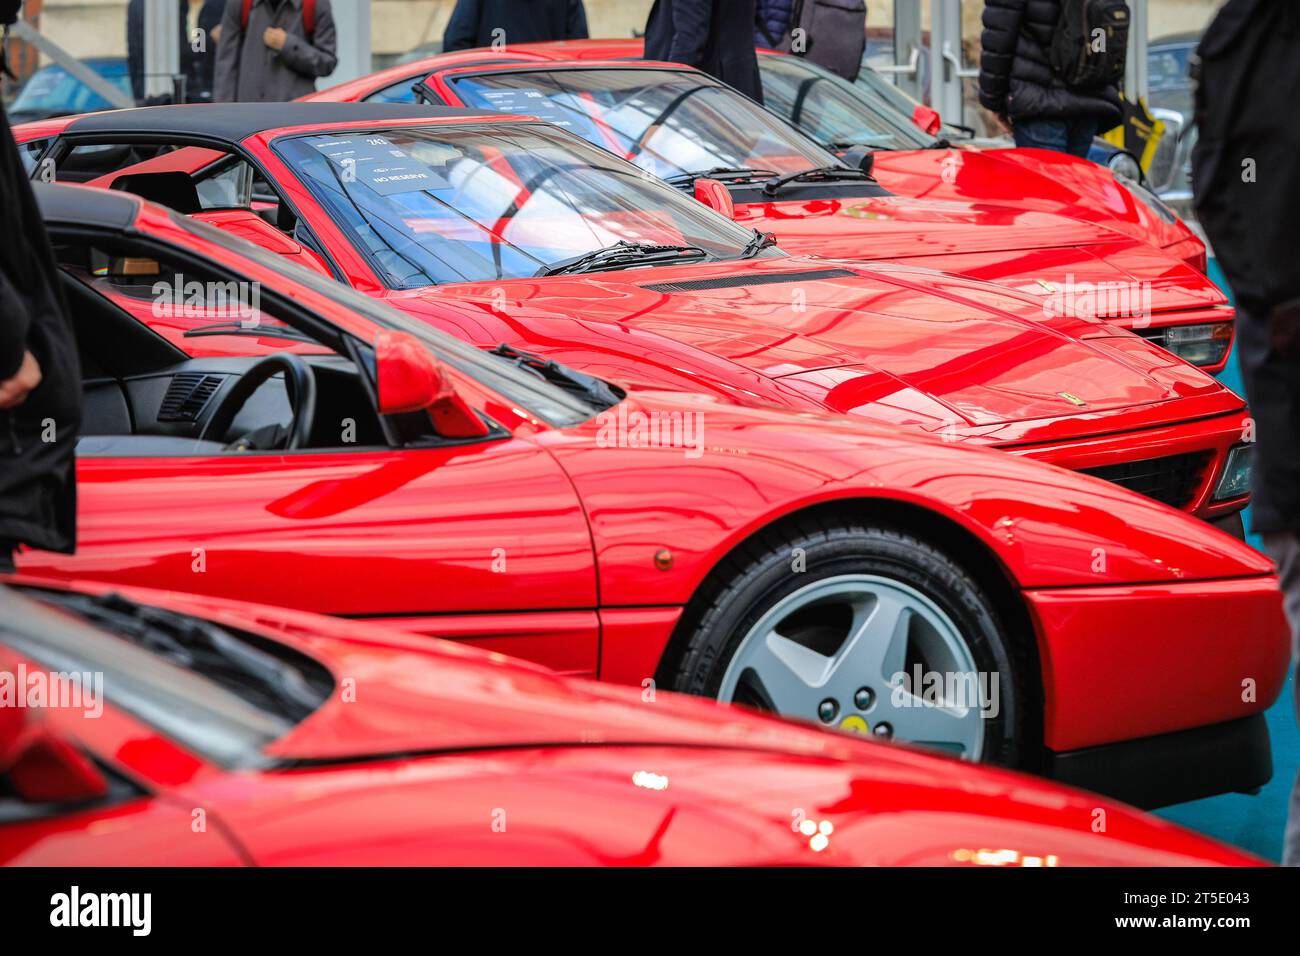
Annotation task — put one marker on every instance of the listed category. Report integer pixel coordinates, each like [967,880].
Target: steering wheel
[300,383]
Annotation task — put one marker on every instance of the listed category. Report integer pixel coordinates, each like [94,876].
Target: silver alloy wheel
[824,651]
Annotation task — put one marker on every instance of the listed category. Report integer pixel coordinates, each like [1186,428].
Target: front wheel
[865,629]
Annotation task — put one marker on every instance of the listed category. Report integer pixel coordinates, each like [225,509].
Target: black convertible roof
[234,122]
[82,206]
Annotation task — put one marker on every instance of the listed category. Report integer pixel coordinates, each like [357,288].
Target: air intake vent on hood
[186,396]
[737,282]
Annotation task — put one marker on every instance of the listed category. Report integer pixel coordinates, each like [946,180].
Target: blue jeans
[1072,136]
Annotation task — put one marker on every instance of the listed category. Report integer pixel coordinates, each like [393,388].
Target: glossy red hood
[1015,246]
[1028,179]
[969,353]
[717,785]
[888,227]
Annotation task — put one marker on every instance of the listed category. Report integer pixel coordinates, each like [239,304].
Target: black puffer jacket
[1016,76]
[37,438]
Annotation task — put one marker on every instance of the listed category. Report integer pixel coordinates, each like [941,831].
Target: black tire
[759,574]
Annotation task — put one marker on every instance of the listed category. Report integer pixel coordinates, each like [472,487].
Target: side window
[196,312]
[228,186]
[29,153]
[399,92]
[123,295]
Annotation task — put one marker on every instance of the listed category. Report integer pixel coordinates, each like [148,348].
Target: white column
[1136,82]
[162,54]
[352,20]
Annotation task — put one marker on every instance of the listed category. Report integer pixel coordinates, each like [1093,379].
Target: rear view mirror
[410,379]
[928,119]
[716,196]
[860,157]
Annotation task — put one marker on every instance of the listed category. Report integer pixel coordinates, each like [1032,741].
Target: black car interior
[145,396]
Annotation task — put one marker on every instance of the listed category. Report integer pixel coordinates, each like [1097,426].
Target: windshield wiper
[761,241]
[209,650]
[822,174]
[840,145]
[620,255]
[238,328]
[719,172]
[587,387]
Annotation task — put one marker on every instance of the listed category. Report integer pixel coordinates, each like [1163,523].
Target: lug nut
[864,698]
[827,710]
[883,730]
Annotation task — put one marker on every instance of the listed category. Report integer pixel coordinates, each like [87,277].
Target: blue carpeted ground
[1253,823]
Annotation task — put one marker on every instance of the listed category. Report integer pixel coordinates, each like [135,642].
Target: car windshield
[671,123]
[832,110]
[223,693]
[438,204]
[544,399]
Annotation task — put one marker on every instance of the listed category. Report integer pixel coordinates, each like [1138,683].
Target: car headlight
[1235,480]
[1141,193]
[1203,344]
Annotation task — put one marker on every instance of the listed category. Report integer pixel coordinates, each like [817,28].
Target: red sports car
[503,230]
[1123,255]
[196,731]
[822,568]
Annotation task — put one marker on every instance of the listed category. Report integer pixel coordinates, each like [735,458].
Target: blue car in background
[53,91]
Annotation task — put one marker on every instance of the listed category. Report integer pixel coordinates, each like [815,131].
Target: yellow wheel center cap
[856,724]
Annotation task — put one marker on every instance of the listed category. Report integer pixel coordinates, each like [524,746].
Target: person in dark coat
[196,66]
[716,36]
[772,22]
[1247,191]
[474,23]
[40,376]
[1019,86]
[275,58]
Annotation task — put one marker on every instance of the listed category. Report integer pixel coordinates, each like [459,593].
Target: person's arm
[225,83]
[320,56]
[19,371]
[1001,21]
[691,20]
[462,26]
[576,26]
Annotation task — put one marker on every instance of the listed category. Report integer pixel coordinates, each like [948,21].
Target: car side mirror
[928,119]
[41,767]
[410,379]
[716,196]
[859,157]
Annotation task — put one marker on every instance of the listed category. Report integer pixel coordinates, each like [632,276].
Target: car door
[482,540]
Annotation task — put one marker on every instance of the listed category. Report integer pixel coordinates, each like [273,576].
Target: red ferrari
[201,732]
[1120,254]
[509,232]
[821,568]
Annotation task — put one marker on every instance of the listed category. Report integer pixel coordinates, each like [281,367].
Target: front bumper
[1172,768]
[1129,662]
